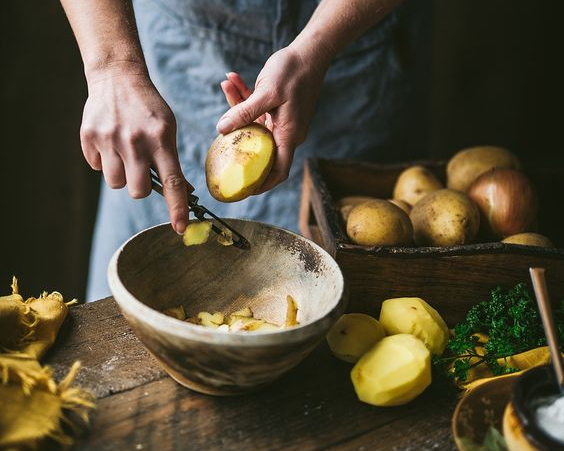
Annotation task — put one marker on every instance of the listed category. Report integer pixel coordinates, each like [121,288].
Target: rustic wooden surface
[313,407]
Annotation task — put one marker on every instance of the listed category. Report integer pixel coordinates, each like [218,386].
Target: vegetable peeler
[200,212]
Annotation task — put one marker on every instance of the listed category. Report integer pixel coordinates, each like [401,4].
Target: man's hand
[284,99]
[127,128]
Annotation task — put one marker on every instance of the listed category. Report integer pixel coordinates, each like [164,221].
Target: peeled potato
[238,163]
[354,334]
[445,218]
[414,316]
[176,312]
[197,232]
[379,223]
[393,372]
[465,166]
[414,183]
[529,239]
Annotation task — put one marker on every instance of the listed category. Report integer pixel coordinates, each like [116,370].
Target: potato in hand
[353,334]
[238,163]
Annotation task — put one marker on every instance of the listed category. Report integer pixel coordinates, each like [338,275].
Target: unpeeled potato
[347,203]
[414,183]
[402,204]
[238,163]
[445,218]
[529,239]
[379,223]
[466,165]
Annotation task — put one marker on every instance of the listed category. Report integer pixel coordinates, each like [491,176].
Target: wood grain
[112,358]
[313,407]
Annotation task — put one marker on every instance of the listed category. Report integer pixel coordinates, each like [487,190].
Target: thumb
[245,112]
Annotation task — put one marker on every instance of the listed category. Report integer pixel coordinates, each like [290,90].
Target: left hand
[284,100]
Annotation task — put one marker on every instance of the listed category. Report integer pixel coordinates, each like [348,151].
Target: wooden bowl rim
[474,392]
[164,324]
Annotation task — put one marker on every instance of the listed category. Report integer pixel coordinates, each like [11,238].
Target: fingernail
[226,74]
[225,125]
[180,226]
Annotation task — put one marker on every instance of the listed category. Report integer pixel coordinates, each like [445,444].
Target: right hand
[127,127]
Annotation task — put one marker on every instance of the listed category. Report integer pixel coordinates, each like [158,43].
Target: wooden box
[452,279]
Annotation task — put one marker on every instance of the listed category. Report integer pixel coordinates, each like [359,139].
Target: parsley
[512,323]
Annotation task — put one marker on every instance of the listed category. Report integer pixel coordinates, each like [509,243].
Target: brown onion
[507,202]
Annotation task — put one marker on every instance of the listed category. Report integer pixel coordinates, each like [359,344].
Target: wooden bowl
[481,409]
[519,425]
[154,270]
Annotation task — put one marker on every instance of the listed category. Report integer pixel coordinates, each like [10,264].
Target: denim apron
[189,45]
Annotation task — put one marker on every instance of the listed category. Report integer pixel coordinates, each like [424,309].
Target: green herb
[512,323]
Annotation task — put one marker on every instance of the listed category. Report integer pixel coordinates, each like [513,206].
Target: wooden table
[313,407]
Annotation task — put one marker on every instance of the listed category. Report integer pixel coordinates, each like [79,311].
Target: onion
[507,202]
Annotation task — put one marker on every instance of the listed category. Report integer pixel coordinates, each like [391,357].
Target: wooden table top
[313,407]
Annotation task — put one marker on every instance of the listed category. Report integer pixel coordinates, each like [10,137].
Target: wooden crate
[452,279]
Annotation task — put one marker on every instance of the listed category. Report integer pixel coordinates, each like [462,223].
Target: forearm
[336,23]
[107,36]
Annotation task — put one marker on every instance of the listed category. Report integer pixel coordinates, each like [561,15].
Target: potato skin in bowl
[154,271]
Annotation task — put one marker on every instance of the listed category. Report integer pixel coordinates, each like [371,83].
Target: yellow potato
[414,316]
[354,334]
[238,163]
[347,203]
[176,312]
[197,232]
[402,204]
[291,312]
[211,319]
[445,218]
[414,183]
[379,223]
[466,165]
[396,370]
[529,239]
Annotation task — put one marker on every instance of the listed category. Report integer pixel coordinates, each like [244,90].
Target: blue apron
[189,45]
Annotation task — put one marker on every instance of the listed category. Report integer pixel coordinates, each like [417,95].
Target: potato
[379,223]
[347,203]
[197,232]
[445,218]
[291,312]
[211,319]
[414,316]
[354,334]
[528,239]
[393,372]
[175,312]
[238,163]
[465,166]
[414,183]
[402,204]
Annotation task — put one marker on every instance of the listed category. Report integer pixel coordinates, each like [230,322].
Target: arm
[127,127]
[288,86]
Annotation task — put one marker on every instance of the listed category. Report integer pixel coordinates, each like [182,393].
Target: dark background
[496,78]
